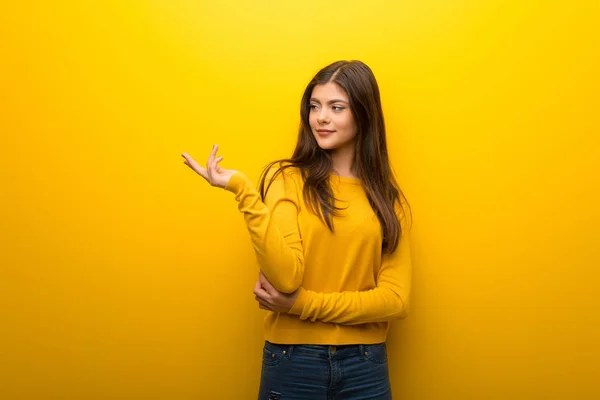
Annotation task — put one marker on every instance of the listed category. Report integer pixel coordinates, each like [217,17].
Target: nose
[323,116]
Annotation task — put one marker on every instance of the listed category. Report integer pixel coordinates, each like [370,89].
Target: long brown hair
[371,163]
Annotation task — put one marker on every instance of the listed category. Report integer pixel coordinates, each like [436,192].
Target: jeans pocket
[376,353]
[274,353]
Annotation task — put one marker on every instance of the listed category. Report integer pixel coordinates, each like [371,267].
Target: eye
[338,108]
[313,107]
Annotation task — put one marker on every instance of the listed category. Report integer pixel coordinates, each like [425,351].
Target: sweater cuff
[237,182]
[300,302]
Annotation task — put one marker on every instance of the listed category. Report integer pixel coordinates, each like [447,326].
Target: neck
[342,160]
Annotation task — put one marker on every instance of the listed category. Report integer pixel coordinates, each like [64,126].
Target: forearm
[351,308]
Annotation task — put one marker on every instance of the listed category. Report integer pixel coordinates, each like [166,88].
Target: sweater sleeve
[388,300]
[273,228]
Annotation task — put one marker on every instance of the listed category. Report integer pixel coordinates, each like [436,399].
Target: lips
[324,132]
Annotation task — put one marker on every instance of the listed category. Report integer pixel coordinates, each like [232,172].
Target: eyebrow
[330,101]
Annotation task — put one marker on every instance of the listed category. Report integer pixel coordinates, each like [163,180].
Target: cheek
[311,120]
[347,125]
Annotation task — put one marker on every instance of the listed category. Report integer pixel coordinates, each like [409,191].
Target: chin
[326,144]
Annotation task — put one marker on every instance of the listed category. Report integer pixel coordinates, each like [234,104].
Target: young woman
[330,231]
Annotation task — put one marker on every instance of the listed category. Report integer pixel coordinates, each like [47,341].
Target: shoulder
[281,178]
[283,170]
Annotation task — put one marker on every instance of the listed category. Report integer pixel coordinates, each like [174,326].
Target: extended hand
[213,173]
[270,298]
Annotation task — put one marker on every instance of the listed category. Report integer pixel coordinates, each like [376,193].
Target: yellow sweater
[348,290]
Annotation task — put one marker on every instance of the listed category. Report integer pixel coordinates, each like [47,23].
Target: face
[330,118]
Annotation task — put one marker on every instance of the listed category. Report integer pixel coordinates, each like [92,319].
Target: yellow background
[125,276]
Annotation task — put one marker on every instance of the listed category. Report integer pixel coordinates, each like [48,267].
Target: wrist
[236,182]
[300,302]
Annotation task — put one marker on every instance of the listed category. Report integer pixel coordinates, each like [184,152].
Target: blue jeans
[314,372]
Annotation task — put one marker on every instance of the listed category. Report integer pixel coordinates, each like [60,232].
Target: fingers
[262,302]
[190,162]
[261,293]
[260,297]
[263,280]
[210,165]
[217,167]
[267,285]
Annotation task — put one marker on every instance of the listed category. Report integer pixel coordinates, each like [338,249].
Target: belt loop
[290,350]
[361,351]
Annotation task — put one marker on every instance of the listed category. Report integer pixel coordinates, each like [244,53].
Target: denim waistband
[340,351]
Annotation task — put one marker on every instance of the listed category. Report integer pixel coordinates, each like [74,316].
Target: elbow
[295,281]
[286,278]
[289,286]
[402,307]
[403,313]
[285,286]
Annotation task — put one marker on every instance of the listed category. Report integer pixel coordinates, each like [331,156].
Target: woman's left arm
[388,300]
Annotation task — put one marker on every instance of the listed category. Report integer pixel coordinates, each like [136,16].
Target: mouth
[324,132]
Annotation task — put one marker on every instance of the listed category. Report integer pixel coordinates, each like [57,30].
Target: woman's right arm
[273,227]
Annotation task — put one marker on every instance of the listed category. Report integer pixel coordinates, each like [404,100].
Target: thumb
[262,278]
[267,285]
[260,292]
